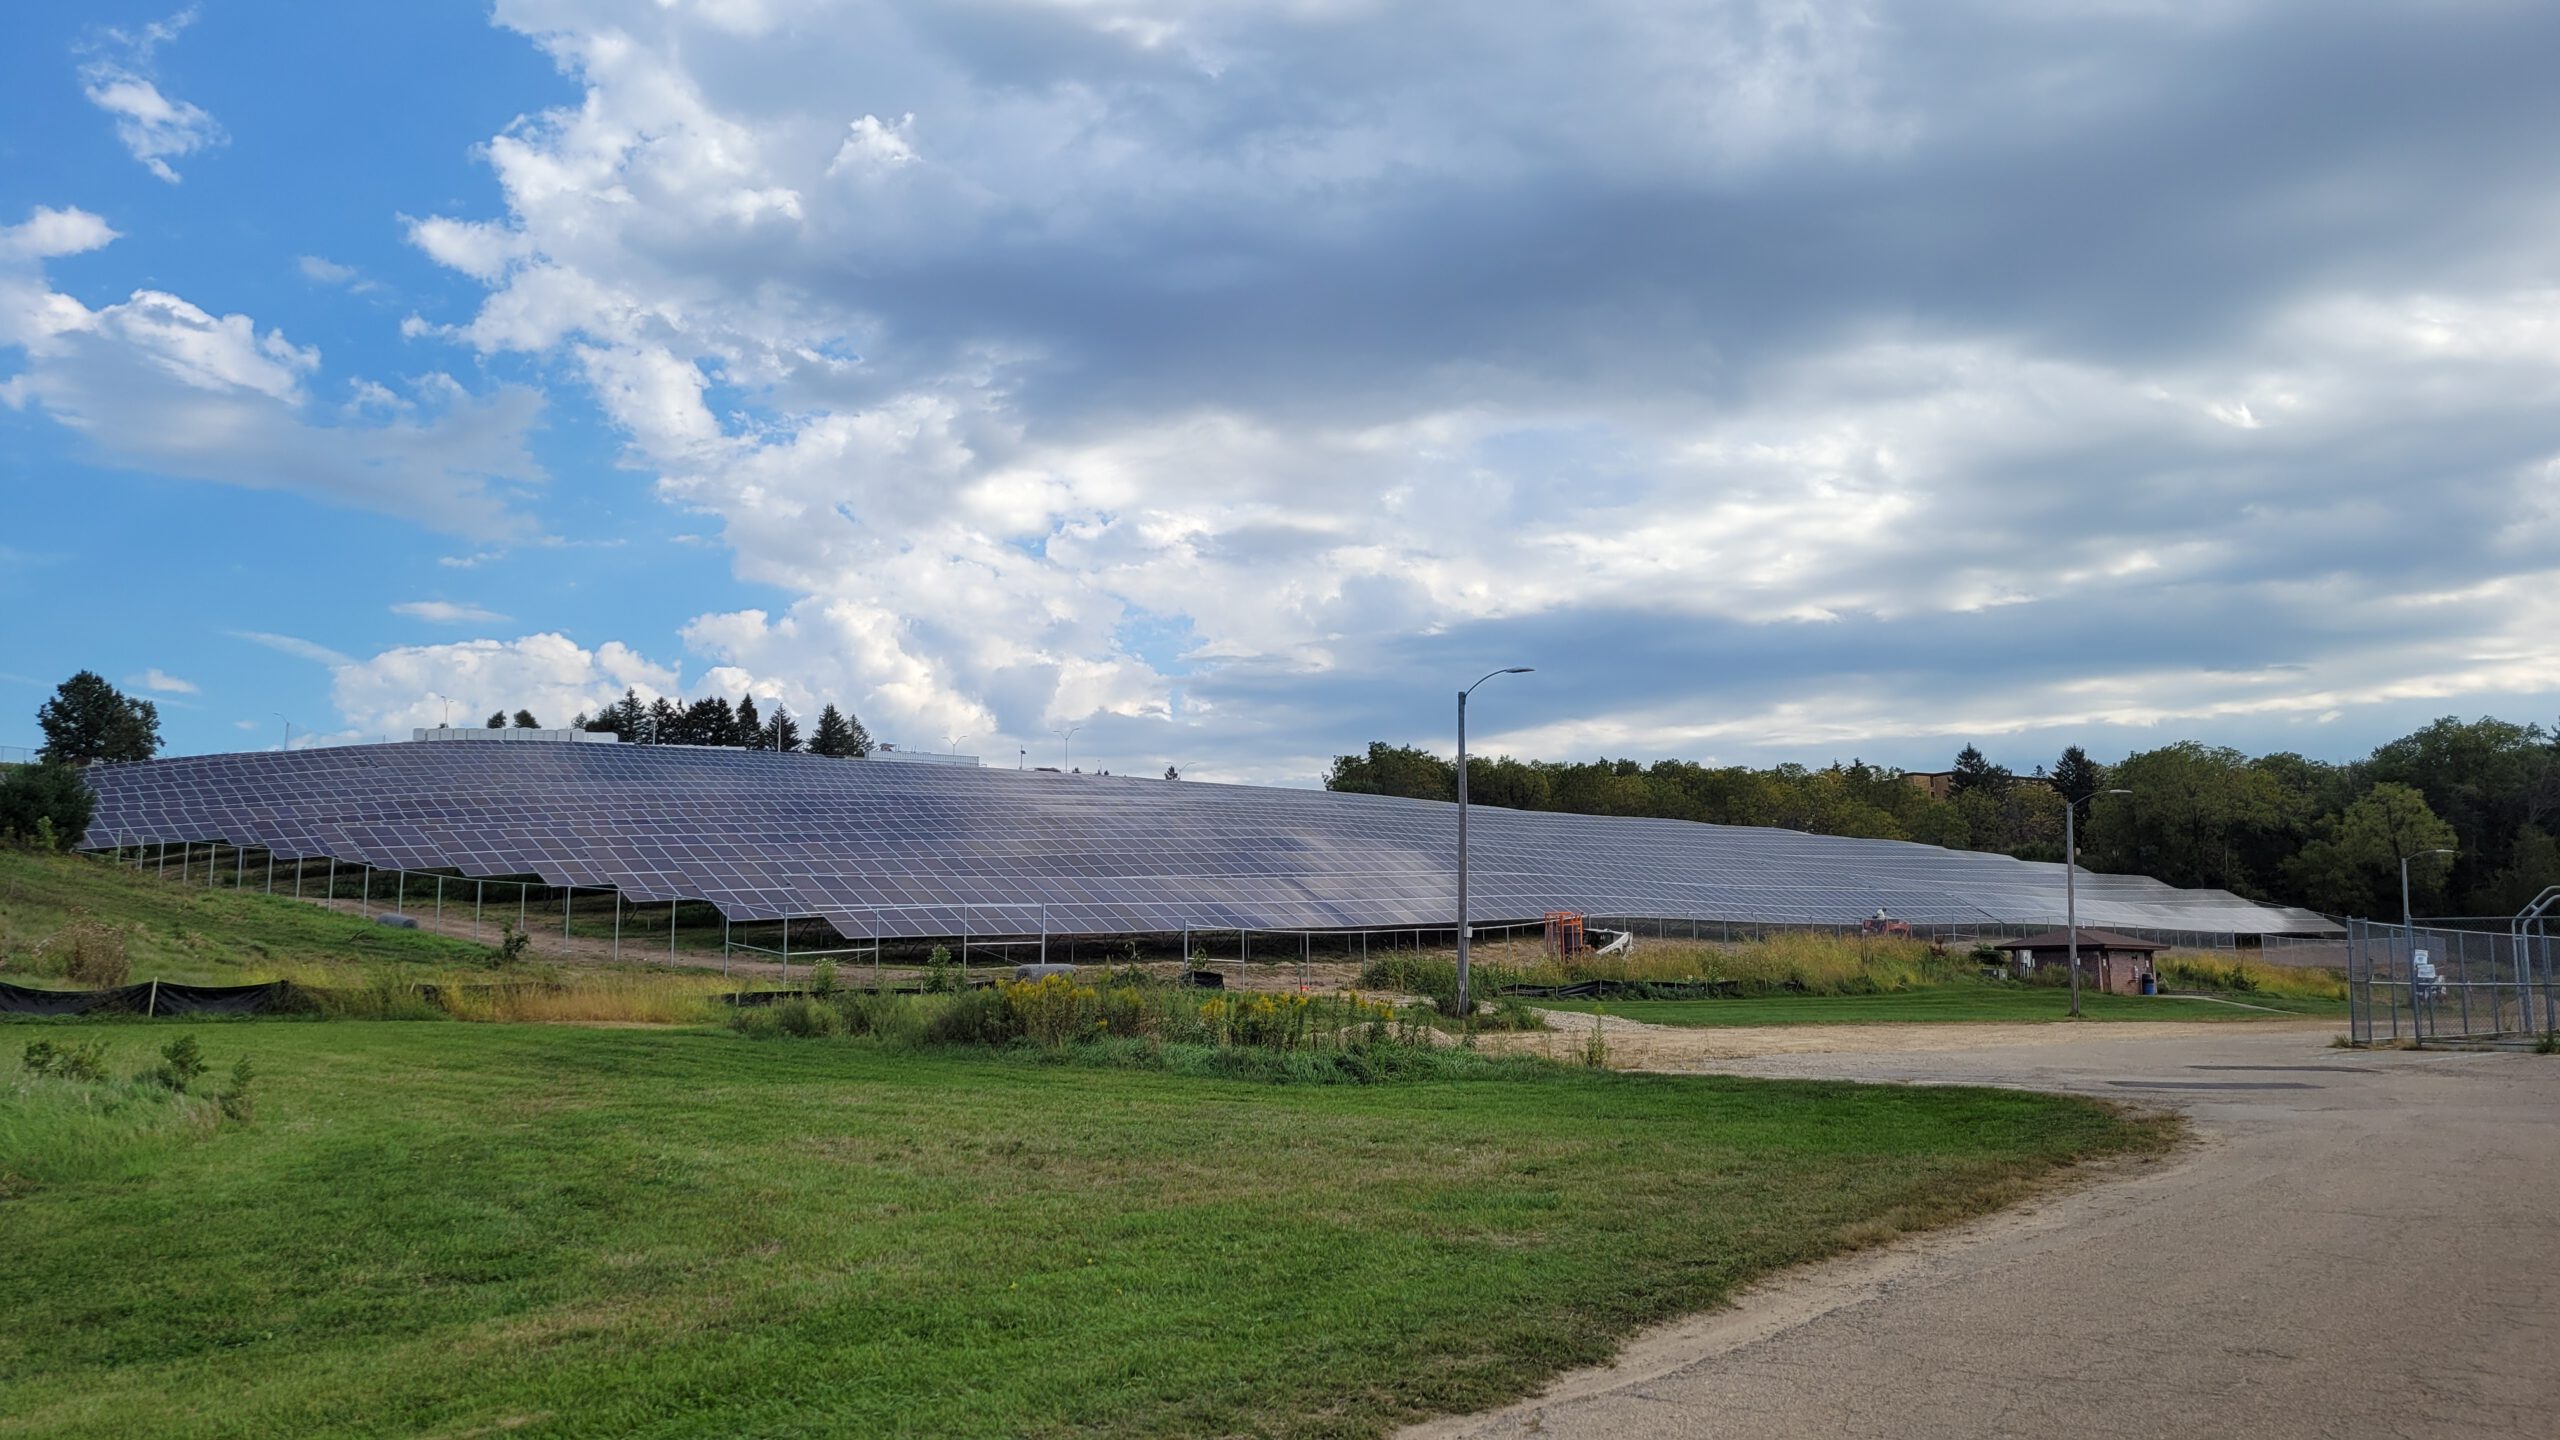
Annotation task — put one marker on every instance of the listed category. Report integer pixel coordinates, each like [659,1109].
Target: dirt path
[2357,1245]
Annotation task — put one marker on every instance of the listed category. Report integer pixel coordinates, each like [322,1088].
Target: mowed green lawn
[447,1229]
[1956,1002]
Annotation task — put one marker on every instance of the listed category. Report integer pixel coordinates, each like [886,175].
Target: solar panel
[934,851]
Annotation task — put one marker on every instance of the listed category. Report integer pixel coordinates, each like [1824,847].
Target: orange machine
[1882,924]
[1564,933]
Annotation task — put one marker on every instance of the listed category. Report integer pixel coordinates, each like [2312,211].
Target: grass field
[556,1231]
[1958,1002]
[202,935]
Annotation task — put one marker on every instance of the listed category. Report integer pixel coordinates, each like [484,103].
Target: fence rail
[2431,983]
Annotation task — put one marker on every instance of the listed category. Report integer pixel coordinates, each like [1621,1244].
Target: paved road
[2357,1245]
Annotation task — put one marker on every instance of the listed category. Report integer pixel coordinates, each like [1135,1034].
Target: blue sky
[1783,381]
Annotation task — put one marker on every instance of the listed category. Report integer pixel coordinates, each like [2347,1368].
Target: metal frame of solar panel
[913,851]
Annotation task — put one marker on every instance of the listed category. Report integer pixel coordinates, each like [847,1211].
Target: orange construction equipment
[1882,924]
[1564,933]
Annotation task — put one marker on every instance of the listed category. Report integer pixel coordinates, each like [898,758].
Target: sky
[1232,382]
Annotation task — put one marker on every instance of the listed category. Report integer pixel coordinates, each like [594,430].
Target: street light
[1466,1004]
[2408,921]
[1066,741]
[288,728]
[954,742]
[448,708]
[2071,885]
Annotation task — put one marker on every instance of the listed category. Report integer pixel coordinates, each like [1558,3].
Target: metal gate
[2430,982]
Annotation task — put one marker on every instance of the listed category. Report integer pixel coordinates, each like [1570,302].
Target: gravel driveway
[2358,1244]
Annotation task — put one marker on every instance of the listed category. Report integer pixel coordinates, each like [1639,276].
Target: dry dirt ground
[2356,1244]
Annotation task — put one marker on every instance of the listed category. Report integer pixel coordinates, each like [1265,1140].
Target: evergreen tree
[1973,772]
[781,733]
[2077,776]
[832,736]
[623,717]
[498,720]
[665,721]
[708,722]
[746,729]
[525,720]
[89,720]
[857,740]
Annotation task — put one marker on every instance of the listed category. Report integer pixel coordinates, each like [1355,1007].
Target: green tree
[746,727]
[663,722]
[829,739]
[89,720]
[498,720]
[1395,770]
[781,733]
[2076,777]
[1974,772]
[525,720]
[48,801]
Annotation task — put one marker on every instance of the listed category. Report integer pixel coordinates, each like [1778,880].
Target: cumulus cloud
[119,78]
[156,382]
[548,674]
[1238,379]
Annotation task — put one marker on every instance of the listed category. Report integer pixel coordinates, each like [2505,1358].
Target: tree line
[714,721]
[2282,827]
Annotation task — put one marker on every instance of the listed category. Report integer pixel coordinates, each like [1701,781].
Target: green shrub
[822,980]
[71,1060]
[181,1064]
[941,977]
[972,1017]
[803,1018]
[234,1099]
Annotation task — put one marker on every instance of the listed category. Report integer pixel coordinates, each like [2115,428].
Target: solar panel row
[913,851]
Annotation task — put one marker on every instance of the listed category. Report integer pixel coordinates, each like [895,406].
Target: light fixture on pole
[1466,1002]
[288,728]
[2409,923]
[447,723]
[2071,886]
[954,742]
[1066,743]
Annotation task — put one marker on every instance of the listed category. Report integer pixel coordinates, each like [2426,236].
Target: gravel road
[2357,1244]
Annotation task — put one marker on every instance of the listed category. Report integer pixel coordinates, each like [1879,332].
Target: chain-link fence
[2433,982]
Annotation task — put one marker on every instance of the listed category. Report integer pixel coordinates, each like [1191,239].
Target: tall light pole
[288,729]
[1466,1002]
[448,708]
[954,742]
[2071,884]
[1066,742]
[2409,924]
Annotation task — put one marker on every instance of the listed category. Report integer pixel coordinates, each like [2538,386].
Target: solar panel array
[932,851]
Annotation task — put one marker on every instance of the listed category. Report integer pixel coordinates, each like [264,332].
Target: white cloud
[163,682]
[322,271]
[447,612]
[548,673]
[153,126]
[292,645]
[1160,363]
[50,232]
[158,383]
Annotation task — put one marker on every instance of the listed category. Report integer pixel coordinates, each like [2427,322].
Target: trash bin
[2150,984]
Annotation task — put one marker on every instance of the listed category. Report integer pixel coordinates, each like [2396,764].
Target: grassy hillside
[199,935]
[560,1231]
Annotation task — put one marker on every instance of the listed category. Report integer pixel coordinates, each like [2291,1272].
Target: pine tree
[1973,772]
[2077,776]
[525,720]
[857,741]
[624,715]
[708,722]
[498,720]
[664,721]
[89,720]
[746,730]
[832,736]
[781,733]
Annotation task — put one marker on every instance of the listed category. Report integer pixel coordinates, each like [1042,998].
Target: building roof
[2090,939]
